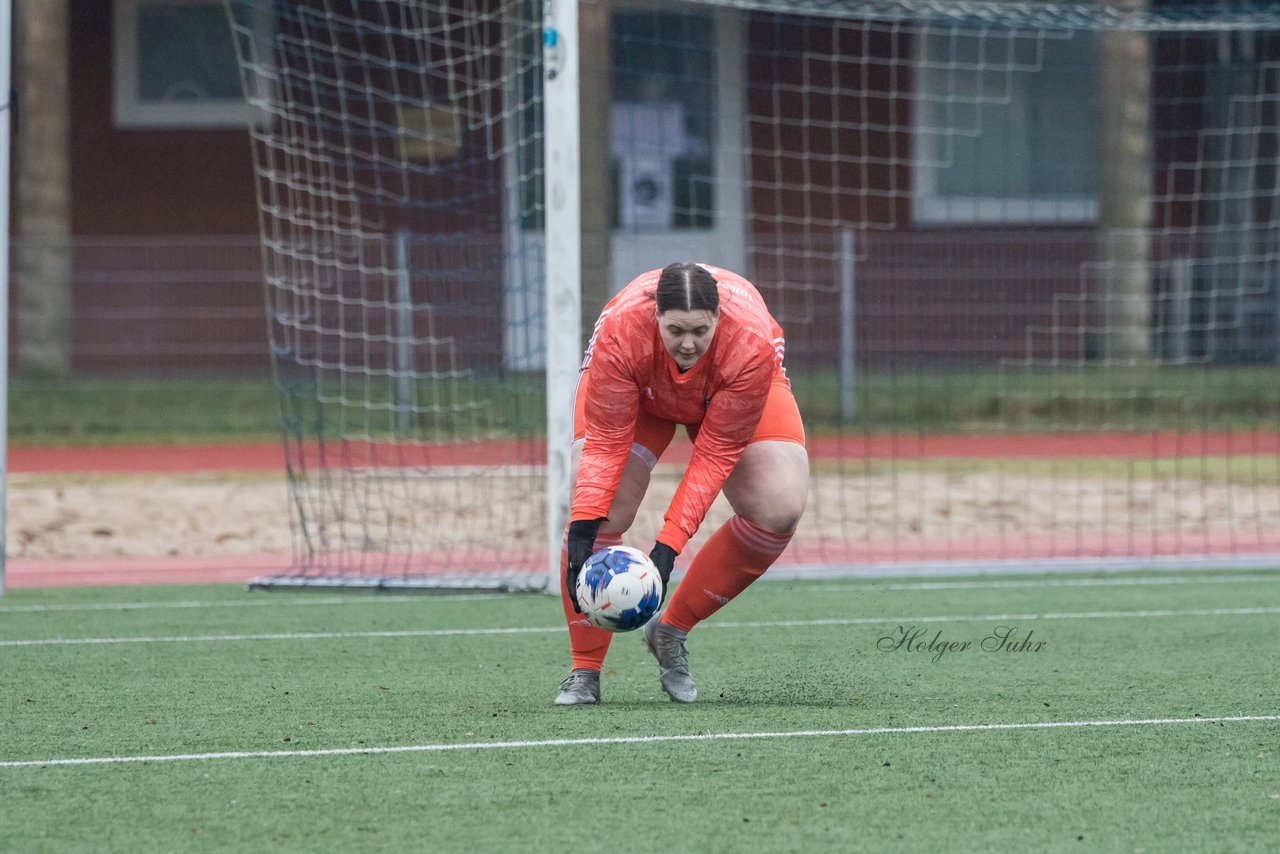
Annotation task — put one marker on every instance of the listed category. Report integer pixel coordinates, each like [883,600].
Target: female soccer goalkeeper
[694,345]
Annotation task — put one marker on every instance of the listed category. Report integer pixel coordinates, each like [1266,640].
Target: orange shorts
[780,421]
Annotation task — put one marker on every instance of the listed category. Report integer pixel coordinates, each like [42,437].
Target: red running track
[132,459]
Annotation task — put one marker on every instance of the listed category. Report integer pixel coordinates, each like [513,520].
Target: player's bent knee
[778,513]
[772,496]
[778,520]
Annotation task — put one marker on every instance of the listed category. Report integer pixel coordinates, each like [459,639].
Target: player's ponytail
[687,287]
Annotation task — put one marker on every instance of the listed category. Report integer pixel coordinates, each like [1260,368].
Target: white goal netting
[1027,257]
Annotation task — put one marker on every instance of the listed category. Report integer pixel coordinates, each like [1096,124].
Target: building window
[1005,127]
[175,66]
[662,119]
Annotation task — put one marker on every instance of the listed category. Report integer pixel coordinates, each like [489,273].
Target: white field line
[760,624]
[632,739]
[378,599]
[992,584]
[268,600]
[406,633]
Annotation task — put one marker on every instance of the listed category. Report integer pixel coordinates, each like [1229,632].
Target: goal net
[1026,255]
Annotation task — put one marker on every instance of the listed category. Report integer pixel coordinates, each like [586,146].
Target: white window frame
[132,112]
[930,207]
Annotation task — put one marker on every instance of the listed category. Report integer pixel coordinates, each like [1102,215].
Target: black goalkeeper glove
[664,558]
[582,542]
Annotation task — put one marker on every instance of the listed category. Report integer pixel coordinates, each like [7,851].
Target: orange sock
[735,556]
[587,644]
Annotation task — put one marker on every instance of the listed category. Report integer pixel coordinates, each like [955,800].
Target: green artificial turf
[44,411]
[218,669]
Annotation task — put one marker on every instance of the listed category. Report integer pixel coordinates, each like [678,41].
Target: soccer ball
[619,589]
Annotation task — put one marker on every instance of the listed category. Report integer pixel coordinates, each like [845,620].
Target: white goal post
[1027,257]
[6,52]
[563,327]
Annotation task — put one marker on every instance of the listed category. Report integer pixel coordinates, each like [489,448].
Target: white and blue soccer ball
[619,589]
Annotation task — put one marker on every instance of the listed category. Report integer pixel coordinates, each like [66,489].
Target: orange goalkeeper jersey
[721,396]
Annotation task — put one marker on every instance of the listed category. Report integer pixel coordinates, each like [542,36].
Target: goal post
[563,335]
[6,52]
[1027,257]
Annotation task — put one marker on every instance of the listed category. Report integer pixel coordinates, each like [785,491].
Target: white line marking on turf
[369,599]
[853,587]
[630,739]
[986,618]
[760,624]
[1043,582]
[405,633]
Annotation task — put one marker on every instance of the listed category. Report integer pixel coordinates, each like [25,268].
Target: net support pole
[404,336]
[6,115]
[1180,287]
[848,258]
[563,333]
